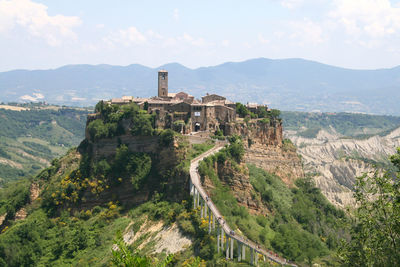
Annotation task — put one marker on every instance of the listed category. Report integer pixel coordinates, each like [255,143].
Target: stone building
[182,111]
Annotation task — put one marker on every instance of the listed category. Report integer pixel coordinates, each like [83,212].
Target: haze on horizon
[42,34]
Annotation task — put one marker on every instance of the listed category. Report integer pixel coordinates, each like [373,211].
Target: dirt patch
[171,240]
[11,163]
[34,191]
[14,108]
[2,218]
[21,214]
[167,238]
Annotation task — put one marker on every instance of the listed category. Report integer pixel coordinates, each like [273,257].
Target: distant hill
[30,139]
[288,84]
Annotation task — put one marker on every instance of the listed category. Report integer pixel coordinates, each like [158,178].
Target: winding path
[195,181]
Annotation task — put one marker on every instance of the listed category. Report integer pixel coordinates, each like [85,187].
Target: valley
[336,150]
[32,135]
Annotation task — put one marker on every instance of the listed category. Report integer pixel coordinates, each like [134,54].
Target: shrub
[167,137]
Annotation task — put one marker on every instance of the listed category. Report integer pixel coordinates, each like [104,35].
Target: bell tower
[163,83]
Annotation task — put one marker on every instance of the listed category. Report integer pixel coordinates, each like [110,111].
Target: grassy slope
[30,139]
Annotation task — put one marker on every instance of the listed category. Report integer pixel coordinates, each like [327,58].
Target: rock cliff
[266,149]
[237,178]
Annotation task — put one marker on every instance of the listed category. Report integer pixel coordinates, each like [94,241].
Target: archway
[197,127]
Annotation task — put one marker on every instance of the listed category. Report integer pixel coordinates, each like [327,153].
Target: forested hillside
[308,124]
[32,137]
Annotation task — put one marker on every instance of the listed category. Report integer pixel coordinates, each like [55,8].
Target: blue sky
[34,34]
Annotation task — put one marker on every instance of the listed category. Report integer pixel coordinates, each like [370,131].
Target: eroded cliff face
[334,161]
[265,148]
[237,178]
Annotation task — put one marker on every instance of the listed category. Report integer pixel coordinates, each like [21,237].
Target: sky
[40,34]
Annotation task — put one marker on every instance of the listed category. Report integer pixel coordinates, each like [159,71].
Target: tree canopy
[375,232]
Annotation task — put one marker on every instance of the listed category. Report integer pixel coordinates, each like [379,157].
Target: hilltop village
[183,112]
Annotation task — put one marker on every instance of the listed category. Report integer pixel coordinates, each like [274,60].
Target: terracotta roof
[166,102]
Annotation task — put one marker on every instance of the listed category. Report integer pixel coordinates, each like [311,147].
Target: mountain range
[287,84]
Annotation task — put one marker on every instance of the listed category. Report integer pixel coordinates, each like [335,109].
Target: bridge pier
[218,239]
[256,258]
[201,208]
[191,187]
[239,251]
[194,197]
[198,198]
[243,252]
[209,221]
[227,246]
[222,238]
[231,248]
[213,223]
[251,256]
[205,209]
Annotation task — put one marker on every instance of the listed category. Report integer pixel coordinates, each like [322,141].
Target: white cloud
[78,99]
[127,37]
[176,14]
[153,34]
[291,3]
[34,98]
[307,32]
[373,18]
[225,43]
[132,36]
[38,95]
[262,39]
[34,18]
[193,41]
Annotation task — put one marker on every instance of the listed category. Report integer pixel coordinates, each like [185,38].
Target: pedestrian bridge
[216,223]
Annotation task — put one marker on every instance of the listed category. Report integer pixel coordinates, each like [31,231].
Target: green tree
[242,110]
[141,125]
[97,130]
[262,112]
[375,232]
[275,113]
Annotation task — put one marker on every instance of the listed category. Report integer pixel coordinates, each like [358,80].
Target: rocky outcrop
[275,159]
[265,148]
[237,178]
[269,134]
[334,161]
